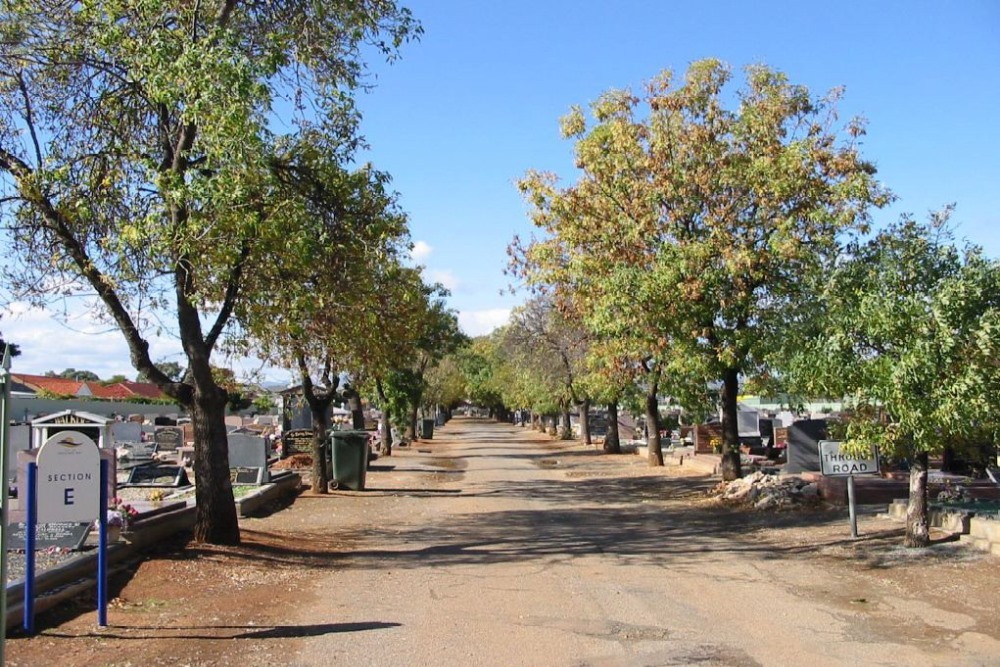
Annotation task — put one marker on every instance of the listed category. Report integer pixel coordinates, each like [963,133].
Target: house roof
[121,391]
[58,386]
[144,389]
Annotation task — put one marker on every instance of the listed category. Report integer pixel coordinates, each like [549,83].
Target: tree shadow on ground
[149,632]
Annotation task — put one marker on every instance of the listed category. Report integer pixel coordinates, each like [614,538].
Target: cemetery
[152,487]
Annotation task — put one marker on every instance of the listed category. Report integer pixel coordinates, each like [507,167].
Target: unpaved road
[493,545]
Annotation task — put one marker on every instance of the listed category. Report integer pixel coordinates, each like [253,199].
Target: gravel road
[500,547]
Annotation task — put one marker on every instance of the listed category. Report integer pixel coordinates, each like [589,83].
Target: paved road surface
[488,549]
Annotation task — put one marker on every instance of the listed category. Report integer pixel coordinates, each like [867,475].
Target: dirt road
[493,545]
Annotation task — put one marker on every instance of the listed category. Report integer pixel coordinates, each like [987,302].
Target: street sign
[69,478]
[835,464]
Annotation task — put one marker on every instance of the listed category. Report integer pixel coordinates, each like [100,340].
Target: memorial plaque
[297,441]
[60,534]
[158,476]
[139,450]
[246,476]
[168,438]
[706,437]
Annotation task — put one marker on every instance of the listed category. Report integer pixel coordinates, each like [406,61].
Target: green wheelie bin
[348,452]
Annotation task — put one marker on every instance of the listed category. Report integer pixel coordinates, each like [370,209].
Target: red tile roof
[58,386]
[120,391]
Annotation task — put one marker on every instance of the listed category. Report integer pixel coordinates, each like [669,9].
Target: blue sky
[476,102]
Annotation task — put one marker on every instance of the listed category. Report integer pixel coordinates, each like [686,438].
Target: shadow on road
[150,632]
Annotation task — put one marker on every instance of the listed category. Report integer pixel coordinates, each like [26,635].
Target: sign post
[68,482]
[4,480]
[835,464]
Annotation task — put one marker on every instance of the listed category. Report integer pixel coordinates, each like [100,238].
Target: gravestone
[162,420]
[138,450]
[136,419]
[706,437]
[233,422]
[168,438]
[126,432]
[803,445]
[188,433]
[60,534]
[158,475]
[248,452]
[297,441]
[18,440]
[254,476]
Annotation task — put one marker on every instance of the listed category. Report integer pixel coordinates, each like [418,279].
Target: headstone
[158,475]
[161,420]
[248,452]
[18,440]
[234,422]
[168,438]
[297,441]
[126,432]
[748,423]
[138,450]
[803,445]
[136,419]
[706,437]
[247,476]
[60,534]
[188,433]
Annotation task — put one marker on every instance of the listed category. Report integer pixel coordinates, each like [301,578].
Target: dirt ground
[199,605]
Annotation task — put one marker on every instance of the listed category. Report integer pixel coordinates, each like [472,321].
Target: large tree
[909,334]
[352,226]
[696,226]
[139,164]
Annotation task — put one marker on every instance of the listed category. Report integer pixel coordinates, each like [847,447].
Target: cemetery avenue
[496,545]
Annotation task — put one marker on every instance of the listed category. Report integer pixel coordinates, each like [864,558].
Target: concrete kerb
[78,575]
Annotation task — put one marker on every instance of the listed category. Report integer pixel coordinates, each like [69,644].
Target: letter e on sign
[69,478]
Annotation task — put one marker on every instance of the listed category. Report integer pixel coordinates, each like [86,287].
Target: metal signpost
[835,464]
[4,480]
[68,482]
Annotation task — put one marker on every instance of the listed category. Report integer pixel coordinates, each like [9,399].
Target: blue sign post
[68,482]
[4,479]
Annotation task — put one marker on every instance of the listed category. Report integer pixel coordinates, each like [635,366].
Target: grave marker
[59,534]
[297,441]
[168,438]
[158,475]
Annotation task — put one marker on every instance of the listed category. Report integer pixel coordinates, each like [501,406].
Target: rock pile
[767,492]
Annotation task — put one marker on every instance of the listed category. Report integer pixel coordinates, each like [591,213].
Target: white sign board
[69,478]
[835,464]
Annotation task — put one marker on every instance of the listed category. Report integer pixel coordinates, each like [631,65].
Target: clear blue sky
[475,103]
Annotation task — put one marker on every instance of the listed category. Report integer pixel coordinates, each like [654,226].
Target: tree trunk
[653,426]
[565,430]
[320,430]
[553,423]
[917,527]
[357,411]
[411,423]
[731,466]
[612,441]
[385,425]
[584,408]
[215,520]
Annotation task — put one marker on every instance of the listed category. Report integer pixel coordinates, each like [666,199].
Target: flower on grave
[120,513]
[954,494]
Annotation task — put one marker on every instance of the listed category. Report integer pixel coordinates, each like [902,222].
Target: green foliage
[910,332]
[688,241]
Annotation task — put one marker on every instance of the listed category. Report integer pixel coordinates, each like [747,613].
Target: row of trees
[190,167]
[704,246]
